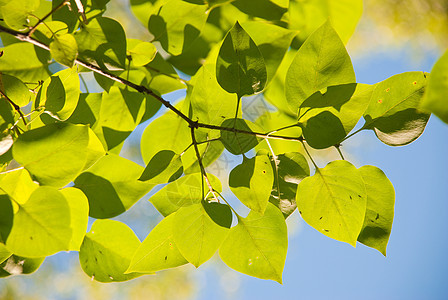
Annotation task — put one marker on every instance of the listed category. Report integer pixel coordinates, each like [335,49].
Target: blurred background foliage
[419,25]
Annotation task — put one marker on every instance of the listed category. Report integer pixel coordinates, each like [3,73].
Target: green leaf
[14,89]
[394,112]
[171,132]
[257,245]
[79,215]
[435,99]
[16,265]
[327,118]
[26,62]
[107,250]
[121,109]
[307,16]
[321,61]
[87,110]
[237,142]
[42,225]
[333,201]
[102,41]
[185,191]
[176,24]
[292,168]
[271,121]
[272,41]
[209,102]
[6,218]
[251,182]
[64,49]
[112,186]
[59,94]
[380,209]
[158,251]
[95,150]
[199,230]
[16,13]
[275,91]
[272,10]
[240,67]
[168,132]
[164,167]
[18,185]
[4,253]
[54,154]
[141,52]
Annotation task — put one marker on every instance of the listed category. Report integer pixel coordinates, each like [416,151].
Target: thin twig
[338,147]
[310,157]
[198,155]
[46,16]
[81,10]
[16,107]
[145,90]
[96,69]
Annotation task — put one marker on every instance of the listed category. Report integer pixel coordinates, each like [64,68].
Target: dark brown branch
[145,90]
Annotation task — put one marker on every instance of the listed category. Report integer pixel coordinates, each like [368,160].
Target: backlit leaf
[238,142]
[435,99]
[176,24]
[64,49]
[158,251]
[257,245]
[185,191]
[321,61]
[240,67]
[42,225]
[107,250]
[251,182]
[394,112]
[199,230]
[333,201]
[54,154]
[112,186]
[380,209]
[59,94]
[14,89]
[292,169]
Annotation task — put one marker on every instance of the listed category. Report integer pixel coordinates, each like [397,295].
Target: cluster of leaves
[59,148]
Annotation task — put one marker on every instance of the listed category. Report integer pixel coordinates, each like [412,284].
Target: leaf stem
[234,211]
[40,21]
[338,147]
[16,107]
[198,155]
[309,155]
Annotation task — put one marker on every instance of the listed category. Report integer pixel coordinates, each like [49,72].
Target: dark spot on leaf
[351,197]
[359,196]
[264,171]
[377,216]
[320,218]
[100,251]
[96,260]
[300,212]
[388,89]
[326,230]
[414,83]
[31,238]
[166,257]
